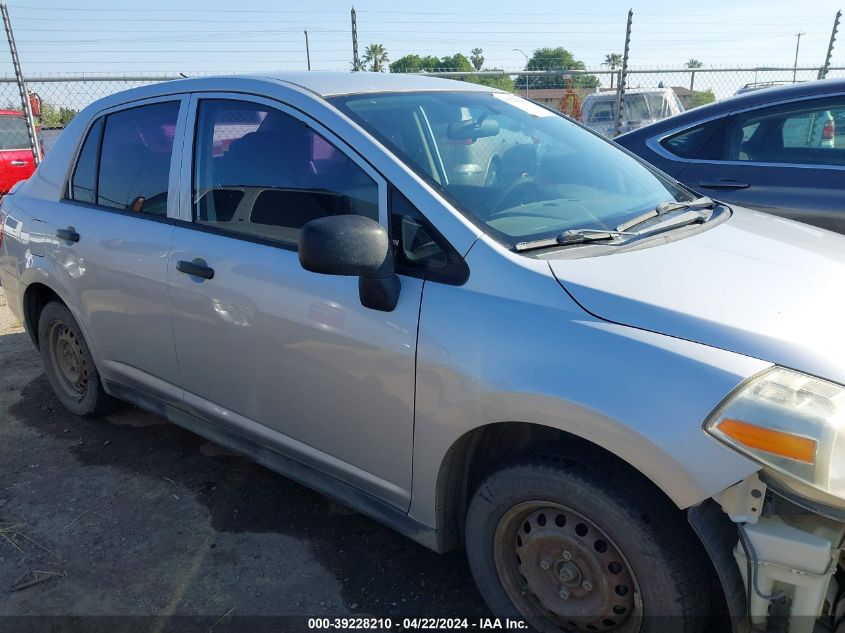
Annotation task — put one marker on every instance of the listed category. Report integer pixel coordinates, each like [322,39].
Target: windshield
[517,170]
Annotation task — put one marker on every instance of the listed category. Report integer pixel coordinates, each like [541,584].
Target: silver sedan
[623,399]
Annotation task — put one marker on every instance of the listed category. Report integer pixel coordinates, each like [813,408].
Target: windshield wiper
[698,204]
[694,213]
[572,236]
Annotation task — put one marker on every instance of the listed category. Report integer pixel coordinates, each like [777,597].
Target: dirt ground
[133,516]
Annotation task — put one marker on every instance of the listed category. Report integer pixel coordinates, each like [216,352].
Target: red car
[16,162]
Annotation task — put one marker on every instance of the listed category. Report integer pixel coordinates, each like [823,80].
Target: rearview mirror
[472,129]
[352,245]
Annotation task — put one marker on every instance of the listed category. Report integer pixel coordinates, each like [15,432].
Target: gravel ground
[133,516]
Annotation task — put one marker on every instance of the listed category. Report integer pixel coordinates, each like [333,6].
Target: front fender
[511,346]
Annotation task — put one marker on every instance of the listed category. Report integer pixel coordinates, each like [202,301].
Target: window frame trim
[175,157]
[185,211]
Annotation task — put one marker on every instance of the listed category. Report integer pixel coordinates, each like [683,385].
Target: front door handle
[69,234]
[723,184]
[196,268]
[19,163]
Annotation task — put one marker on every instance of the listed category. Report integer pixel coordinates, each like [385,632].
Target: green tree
[457,62]
[693,63]
[52,116]
[555,59]
[502,82]
[376,56]
[612,61]
[700,98]
[414,64]
[477,58]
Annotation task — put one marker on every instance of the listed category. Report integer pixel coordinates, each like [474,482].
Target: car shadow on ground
[378,570]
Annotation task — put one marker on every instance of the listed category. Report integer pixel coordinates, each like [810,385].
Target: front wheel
[572,548]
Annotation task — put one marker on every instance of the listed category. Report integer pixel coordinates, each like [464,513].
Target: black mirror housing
[352,245]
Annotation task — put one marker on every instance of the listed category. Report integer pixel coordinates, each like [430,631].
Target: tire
[69,365]
[540,529]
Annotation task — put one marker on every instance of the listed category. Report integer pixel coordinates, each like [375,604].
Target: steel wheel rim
[68,360]
[563,572]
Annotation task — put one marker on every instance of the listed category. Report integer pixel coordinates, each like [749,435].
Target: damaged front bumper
[778,561]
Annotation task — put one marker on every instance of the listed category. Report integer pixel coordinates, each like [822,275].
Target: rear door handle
[69,234]
[18,163]
[723,184]
[196,268]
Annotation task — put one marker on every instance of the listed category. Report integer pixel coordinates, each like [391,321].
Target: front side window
[264,173]
[136,148]
[688,143]
[803,133]
[517,170]
[418,248]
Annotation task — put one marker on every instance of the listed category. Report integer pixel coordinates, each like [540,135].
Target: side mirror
[355,246]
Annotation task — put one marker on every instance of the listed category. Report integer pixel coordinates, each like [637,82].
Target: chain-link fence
[58,99]
[588,95]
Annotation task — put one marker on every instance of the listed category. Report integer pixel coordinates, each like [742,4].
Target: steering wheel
[522,191]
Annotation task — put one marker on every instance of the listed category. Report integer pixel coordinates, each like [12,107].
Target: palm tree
[694,63]
[612,61]
[376,56]
[477,58]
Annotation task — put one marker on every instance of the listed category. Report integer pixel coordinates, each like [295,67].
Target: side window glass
[803,133]
[135,158]
[261,172]
[83,185]
[687,144]
[418,248]
[13,132]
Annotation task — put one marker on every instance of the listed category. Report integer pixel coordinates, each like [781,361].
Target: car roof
[318,83]
[338,83]
[611,94]
[818,88]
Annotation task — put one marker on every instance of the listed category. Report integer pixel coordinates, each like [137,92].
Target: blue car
[779,150]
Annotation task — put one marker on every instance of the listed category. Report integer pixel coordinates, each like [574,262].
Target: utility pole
[824,69]
[307,50]
[527,77]
[623,76]
[356,63]
[25,103]
[795,66]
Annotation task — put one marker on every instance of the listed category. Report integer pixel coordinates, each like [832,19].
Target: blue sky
[224,36]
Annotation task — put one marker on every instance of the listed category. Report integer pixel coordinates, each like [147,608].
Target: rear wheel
[68,363]
[562,547]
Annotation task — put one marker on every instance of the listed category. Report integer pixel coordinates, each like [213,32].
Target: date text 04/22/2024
[416,624]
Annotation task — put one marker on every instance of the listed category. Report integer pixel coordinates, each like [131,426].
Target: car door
[16,162]
[787,159]
[112,235]
[288,357]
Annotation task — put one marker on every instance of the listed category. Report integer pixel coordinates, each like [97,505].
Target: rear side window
[125,160]
[13,133]
[83,185]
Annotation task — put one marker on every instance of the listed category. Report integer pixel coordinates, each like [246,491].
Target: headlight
[794,425]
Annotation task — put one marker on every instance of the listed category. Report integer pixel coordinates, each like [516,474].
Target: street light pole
[527,78]
[795,66]
[307,50]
